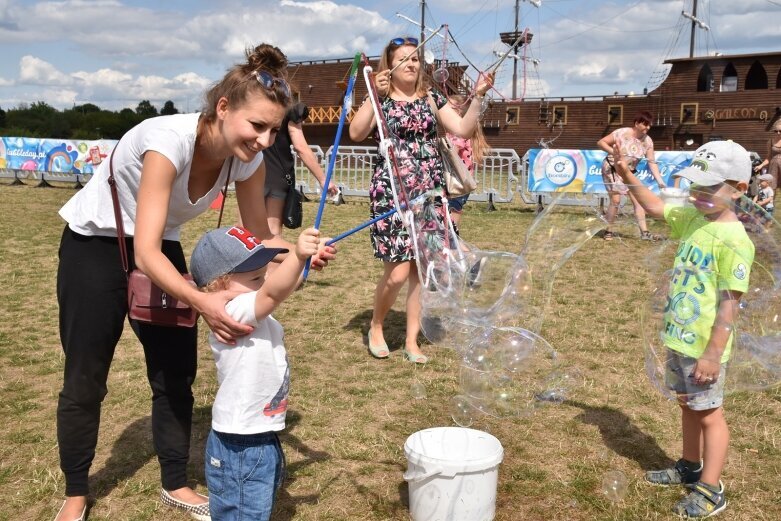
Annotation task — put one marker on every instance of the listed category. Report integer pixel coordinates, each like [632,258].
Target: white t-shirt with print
[91,211]
[254,376]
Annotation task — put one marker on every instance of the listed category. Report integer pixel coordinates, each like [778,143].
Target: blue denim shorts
[678,378]
[243,473]
[456,204]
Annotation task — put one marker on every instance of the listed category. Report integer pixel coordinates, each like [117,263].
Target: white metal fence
[497,175]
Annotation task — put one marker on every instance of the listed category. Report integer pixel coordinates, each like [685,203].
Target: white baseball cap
[717,162]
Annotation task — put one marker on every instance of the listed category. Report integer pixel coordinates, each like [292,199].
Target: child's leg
[691,427]
[715,436]
[243,473]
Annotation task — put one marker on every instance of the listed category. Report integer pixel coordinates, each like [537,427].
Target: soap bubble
[685,307]
[461,411]
[417,390]
[614,485]
[441,75]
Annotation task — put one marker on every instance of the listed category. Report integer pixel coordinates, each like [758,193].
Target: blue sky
[116,52]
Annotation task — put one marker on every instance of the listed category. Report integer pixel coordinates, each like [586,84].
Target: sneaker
[199,511]
[473,277]
[701,502]
[678,474]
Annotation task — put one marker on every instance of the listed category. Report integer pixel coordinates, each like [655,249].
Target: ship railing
[497,175]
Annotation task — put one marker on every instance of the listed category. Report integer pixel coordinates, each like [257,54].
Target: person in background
[773,163]
[765,198]
[470,150]
[635,144]
[280,165]
[167,170]
[406,107]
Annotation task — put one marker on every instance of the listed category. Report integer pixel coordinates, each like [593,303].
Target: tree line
[87,121]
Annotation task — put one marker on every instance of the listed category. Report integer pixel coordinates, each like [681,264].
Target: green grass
[350,414]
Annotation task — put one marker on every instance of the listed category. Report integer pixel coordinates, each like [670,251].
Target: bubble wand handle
[346,106]
[364,225]
[361,227]
[385,145]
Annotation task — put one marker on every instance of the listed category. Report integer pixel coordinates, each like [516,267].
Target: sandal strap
[703,491]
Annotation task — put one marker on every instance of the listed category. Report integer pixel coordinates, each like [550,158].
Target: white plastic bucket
[452,474]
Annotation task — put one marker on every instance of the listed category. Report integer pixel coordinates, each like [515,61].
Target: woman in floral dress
[407,109]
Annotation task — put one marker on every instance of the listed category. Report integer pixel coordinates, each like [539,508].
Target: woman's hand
[211,306]
[323,255]
[382,83]
[484,83]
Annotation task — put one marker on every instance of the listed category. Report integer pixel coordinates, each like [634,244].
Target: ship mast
[422,25]
[696,22]
[693,28]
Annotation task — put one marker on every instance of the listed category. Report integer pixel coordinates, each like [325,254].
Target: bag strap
[225,192]
[433,105]
[118,213]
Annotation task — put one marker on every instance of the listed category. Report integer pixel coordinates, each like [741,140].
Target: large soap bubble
[489,306]
[693,316]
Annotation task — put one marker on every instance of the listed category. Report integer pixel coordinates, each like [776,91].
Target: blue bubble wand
[346,107]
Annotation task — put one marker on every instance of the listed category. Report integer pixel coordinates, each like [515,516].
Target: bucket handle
[412,477]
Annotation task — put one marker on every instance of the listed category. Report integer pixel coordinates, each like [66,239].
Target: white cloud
[34,71]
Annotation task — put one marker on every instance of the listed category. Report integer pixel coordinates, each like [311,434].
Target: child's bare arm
[652,204]
[284,280]
[709,364]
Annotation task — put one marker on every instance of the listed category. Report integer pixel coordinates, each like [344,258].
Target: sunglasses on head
[404,40]
[269,81]
[777,131]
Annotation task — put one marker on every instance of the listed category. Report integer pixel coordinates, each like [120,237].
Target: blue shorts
[456,204]
[679,379]
[243,473]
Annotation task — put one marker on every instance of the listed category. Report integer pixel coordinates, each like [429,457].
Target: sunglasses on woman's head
[403,41]
[268,81]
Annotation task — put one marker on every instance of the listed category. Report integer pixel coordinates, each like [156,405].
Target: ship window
[705,79]
[615,114]
[512,116]
[559,114]
[729,80]
[756,77]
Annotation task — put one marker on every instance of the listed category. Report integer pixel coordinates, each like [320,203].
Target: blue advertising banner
[553,170]
[68,156]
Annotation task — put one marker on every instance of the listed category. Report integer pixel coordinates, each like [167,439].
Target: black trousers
[92,295]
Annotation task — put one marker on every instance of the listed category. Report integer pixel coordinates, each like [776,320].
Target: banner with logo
[68,156]
[554,170]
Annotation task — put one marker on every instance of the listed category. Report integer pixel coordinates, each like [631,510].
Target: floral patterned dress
[414,124]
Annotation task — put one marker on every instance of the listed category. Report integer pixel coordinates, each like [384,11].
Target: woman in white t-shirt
[168,170]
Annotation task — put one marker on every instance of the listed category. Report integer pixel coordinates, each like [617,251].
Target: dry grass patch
[350,414]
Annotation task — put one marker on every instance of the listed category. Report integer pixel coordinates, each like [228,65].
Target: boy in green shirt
[710,274]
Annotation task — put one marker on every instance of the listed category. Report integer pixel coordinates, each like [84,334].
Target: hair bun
[267,57]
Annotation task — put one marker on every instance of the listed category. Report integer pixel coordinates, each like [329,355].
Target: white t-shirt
[766,193]
[253,375]
[91,211]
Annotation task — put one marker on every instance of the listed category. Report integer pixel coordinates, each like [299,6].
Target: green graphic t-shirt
[711,257]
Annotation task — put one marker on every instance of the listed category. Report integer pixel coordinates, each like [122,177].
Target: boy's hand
[323,255]
[706,371]
[619,162]
[307,243]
